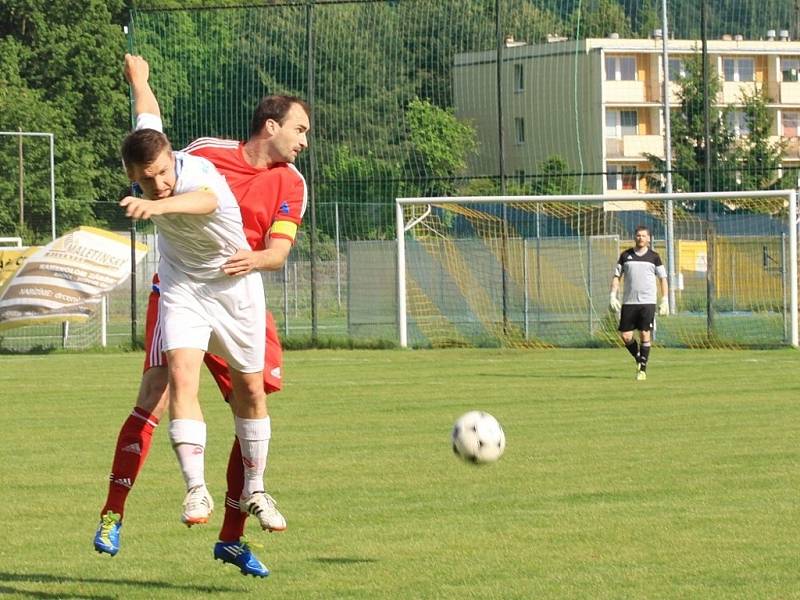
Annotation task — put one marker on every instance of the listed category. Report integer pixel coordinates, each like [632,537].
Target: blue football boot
[106,540]
[239,554]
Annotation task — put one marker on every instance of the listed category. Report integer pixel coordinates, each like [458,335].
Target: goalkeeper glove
[663,307]
[614,303]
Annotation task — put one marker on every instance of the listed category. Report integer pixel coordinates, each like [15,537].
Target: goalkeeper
[640,267]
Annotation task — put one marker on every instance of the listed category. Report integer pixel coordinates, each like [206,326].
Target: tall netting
[409,101]
[533,273]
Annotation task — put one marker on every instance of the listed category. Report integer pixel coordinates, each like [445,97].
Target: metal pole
[589,283]
[52,187]
[21,186]
[285,283]
[793,267]
[338,259]
[312,169]
[708,185]
[525,284]
[402,324]
[538,271]
[668,159]
[104,321]
[128,31]
[502,165]
[783,286]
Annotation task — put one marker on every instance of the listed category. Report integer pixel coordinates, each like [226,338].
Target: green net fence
[408,100]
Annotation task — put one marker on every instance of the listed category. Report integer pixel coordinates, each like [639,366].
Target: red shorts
[154,357]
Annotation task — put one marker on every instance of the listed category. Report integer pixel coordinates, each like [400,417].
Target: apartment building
[598,103]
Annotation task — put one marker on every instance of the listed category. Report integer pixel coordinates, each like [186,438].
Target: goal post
[534,271]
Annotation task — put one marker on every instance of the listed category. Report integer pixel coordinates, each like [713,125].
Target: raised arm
[199,202]
[137,72]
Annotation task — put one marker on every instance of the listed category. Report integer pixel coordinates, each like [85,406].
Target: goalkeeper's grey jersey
[639,275]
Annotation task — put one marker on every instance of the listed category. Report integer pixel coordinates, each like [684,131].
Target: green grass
[683,486]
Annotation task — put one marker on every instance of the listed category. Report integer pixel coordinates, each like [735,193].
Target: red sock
[133,444]
[233,523]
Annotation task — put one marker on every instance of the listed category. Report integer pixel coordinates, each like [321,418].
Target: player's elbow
[208,204]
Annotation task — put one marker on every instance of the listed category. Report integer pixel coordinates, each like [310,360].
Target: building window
[790,121]
[621,177]
[620,68]
[738,69]
[677,69]
[519,129]
[738,123]
[519,175]
[519,78]
[790,69]
[621,122]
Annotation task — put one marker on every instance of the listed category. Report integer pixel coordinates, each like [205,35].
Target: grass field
[683,486]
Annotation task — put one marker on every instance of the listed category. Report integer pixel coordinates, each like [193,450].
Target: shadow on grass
[342,560]
[115,581]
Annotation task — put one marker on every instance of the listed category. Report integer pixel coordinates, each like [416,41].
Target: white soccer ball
[478,437]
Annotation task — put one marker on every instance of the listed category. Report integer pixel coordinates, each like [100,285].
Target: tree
[61,73]
[553,178]
[439,146]
[759,159]
[604,18]
[688,138]
[746,162]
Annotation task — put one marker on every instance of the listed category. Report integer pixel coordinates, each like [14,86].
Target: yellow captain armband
[284,229]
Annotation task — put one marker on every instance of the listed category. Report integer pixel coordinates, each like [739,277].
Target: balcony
[790,92]
[635,146]
[733,91]
[624,92]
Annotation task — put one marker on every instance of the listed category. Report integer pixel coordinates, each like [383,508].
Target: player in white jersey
[201,307]
[640,267]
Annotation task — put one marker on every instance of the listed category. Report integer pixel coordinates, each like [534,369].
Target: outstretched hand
[136,69]
[139,208]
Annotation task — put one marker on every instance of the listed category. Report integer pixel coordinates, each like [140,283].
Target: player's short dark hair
[642,228]
[143,146]
[274,108]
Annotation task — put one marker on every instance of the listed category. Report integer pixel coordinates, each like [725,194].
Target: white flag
[65,280]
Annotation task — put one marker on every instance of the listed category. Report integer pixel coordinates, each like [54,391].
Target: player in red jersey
[272,196]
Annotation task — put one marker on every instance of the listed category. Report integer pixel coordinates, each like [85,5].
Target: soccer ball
[478,437]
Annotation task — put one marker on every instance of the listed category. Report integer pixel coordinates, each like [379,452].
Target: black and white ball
[478,437]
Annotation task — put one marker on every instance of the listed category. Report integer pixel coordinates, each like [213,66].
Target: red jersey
[272,199]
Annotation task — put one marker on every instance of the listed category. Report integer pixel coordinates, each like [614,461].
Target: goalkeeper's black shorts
[637,316]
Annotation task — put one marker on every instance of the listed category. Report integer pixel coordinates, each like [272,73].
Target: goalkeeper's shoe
[239,554]
[641,374]
[263,506]
[197,506]
[106,539]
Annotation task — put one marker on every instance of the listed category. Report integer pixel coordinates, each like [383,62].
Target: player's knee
[626,336]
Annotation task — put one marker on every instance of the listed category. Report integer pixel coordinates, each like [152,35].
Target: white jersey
[198,245]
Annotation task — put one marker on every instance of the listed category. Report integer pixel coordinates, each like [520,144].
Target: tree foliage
[60,73]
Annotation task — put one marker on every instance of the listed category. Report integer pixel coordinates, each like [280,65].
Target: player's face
[642,238]
[157,179]
[288,140]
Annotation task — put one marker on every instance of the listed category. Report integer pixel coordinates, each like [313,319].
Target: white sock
[188,439]
[254,435]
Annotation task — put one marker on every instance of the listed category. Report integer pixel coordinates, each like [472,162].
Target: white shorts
[226,317]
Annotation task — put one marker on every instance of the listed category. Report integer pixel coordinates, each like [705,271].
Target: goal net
[535,271]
